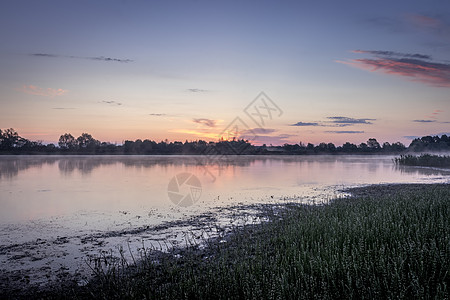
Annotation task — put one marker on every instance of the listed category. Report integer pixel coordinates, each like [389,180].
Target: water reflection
[12,166]
[84,165]
[422,170]
[82,196]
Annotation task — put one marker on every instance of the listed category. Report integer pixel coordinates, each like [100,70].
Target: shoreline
[214,246]
[362,153]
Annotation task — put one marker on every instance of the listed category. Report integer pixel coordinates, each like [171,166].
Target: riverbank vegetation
[12,143]
[386,242]
[424,160]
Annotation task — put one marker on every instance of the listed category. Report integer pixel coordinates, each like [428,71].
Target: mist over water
[41,187]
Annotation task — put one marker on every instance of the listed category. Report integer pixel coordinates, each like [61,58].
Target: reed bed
[376,247]
[424,160]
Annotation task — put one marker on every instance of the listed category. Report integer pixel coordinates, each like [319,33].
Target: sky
[328,71]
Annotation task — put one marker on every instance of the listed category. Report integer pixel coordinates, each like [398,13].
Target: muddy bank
[54,264]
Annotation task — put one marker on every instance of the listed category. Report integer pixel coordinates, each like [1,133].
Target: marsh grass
[395,246]
[424,160]
[387,242]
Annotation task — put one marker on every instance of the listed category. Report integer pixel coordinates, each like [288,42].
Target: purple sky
[337,70]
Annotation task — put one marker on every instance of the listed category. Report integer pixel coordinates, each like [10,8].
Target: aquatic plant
[424,160]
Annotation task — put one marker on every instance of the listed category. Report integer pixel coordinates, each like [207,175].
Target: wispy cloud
[61,108]
[391,24]
[46,92]
[337,121]
[102,58]
[44,55]
[306,124]
[279,139]
[97,58]
[259,130]
[111,102]
[157,115]
[197,90]
[424,21]
[437,26]
[430,24]
[206,122]
[414,67]
[350,121]
[344,131]
[424,121]
[393,53]
[435,114]
[259,136]
[432,117]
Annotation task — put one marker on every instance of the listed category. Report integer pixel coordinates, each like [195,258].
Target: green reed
[379,247]
[424,160]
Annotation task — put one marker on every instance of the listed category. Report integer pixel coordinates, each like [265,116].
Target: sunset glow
[185,70]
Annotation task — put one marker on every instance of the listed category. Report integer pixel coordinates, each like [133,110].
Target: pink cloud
[425,21]
[38,91]
[431,73]
[435,114]
[435,25]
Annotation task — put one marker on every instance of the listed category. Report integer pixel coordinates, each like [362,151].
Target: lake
[56,211]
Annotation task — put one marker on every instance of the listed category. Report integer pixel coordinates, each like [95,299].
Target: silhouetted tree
[398,147]
[51,147]
[373,144]
[11,142]
[349,147]
[322,147]
[86,141]
[128,147]
[331,147]
[363,147]
[67,141]
[10,139]
[147,146]
[430,143]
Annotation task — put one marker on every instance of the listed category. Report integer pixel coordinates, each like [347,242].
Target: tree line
[12,143]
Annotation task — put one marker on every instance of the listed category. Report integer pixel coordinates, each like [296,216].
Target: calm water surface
[61,201]
[41,187]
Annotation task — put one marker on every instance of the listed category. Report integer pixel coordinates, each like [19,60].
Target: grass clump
[424,160]
[376,247]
